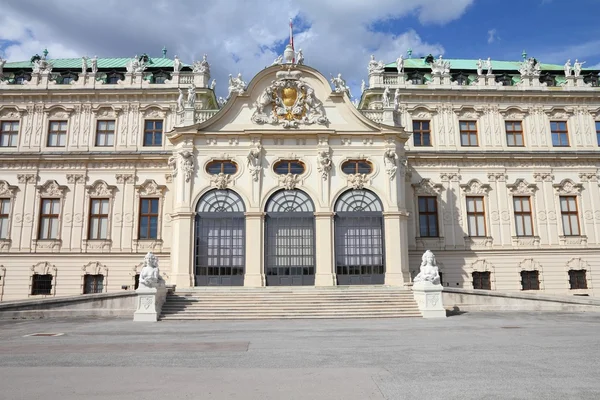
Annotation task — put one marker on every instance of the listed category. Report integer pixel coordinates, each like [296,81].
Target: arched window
[219,240]
[221,167]
[290,239]
[357,167]
[285,167]
[359,247]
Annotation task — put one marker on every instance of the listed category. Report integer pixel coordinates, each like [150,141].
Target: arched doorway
[359,247]
[290,239]
[219,237]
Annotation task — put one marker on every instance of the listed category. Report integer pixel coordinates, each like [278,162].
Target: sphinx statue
[429,271]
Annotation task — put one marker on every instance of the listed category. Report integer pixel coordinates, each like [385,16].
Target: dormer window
[65,78]
[461,79]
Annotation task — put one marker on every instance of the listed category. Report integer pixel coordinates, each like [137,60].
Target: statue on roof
[568,69]
[479,67]
[400,64]
[202,67]
[177,64]
[40,64]
[340,86]
[396,99]
[278,60]
[375,67]
[530,67]
[95,65]
[2,62]
[191,96]
[213,84]
[385,97]
[236,85]
[577,67]
[300,57]
[180,100]
[363,86]
[440,66]
[488,65]
[84,65]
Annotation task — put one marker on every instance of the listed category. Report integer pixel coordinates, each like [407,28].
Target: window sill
[52,245]
[478,242]
[154,245]
[573,240]
[5,245]
[526,241]
[102,245]
[430,242]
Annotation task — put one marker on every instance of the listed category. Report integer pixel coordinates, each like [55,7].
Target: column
[255,276]
[182,271]
[324,247]
[396,248]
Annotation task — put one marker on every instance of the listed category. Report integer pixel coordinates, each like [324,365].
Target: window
[41,284]
[93,283]
[598,132]
[98,228]
[481,280]
[4,218]
[523,220]
[221,167]
[153,133]
[428,216]
[148,228]
[49,219]
[136,281]
[9,132]
[468,134]
[577,279]
[476,216]
[289,167]
[570,219]
[105,133]
[530,280]
[421,133]
[57,134]
[113,78]
[560,135]
[357,167]
[514,134]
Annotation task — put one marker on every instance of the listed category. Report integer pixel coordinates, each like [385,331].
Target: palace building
[492,165]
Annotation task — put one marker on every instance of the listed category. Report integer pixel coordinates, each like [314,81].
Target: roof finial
[409,52]
[524,55]
[164,50]
[45,52]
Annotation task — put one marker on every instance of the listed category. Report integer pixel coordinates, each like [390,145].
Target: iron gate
[359,241]
[220,240]
[290,239]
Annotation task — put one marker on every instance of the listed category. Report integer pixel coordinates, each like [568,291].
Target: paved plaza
[468,356]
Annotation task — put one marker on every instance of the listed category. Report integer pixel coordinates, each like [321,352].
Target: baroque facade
[492,165]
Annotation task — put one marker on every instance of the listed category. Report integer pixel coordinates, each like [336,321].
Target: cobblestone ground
[468,356]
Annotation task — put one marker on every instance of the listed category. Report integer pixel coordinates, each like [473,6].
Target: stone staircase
[289,303]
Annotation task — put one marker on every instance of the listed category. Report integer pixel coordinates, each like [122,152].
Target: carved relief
[220,180]
[100,189]
[289,181]
[95,268]
[27,178]
[543,177]
[75,178]
[125,178]
[475,187]
[530,265]
[7,190]
[578,264]
[358,181]
[497,177]
[254,160]
[567,186]
[150,188]
[427,188]
[324,163]
[482,265]
[521,187]
[52,189]
[450,177]
[588,177]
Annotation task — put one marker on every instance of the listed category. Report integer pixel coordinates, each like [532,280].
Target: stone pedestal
[490,80]
[150,302]
[429,299]
[189,115]
[201,80]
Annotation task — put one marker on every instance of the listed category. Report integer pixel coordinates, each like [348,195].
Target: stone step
[288,316]
[298,296]
[287,308]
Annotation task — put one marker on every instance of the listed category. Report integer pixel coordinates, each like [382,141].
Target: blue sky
[337,36]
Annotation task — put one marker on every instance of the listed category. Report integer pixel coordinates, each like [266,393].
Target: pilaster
[182,273]
[254,276]
[324,236]
[396,249]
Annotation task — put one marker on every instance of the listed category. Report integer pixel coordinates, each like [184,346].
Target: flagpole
[292,41]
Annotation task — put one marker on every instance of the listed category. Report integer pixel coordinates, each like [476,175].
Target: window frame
[5,217]
[514,133]
[476,214]
[148,216]
[58,133]
[422,133]
[105,133]
[154,132]
[51,218]
[33,285]
[356,167]
[572,272]
[528,286]
[94,278]
[522,214]
[427,213]
[597,125]
[480,275]
[469,132]
[558,133]
[99,217]
[569,213]
[221,169]
[11,134]
[289,167]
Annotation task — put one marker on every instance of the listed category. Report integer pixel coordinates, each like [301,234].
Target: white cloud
[238,35]
[492,36]
[579,51]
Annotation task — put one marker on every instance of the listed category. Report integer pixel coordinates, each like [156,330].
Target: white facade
[328,132]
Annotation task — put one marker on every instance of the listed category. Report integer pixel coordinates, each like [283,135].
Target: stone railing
[203,115]
[373,115]
[390,79]
[186,79]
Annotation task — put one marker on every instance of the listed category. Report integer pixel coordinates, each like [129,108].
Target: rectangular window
[598,132]
[148,228]
[57,134]
[93,284]
[476,216]
[481,280]
[98,219]
[421,133]
[105,133]
[4,217]
[41,284]
[577,279]
[49,219]
[9,132]
[570,218]
[428,216]
[560,135]
[153,130]
[514,134]
[530,280]
[468,134]
[523,219]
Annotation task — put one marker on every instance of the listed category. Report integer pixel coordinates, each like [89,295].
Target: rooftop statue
[2,62]
[400,64]
[530,67]
[429,271]
[202,67]
[278,60]
[385,97]
[191,96]
[213,84]
[136,65]
[440,66]
[396,99]
[95,65]
[177,64]
[300,57]
[568,69]
[40,64]
[340,86]
[150,274]
[488,65]
[363,86]
[180,99]
[236,85]
[577,67]
[479,67]
[375,67]
[84,65]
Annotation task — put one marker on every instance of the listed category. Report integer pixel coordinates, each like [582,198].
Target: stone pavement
[468,356]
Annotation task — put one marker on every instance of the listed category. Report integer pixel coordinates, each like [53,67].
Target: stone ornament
[488,65]
[530,67]
[390,161]
[177,65]
[220,180]
[94,65]
[184,161]
[358,181]
[40,65]
[236,85]
[400,64]
[568,68]
[428,271]
[201,67]
[299,57]
[375,67]
[191,96]
[180,100]
[150,274]
[254,160]
[385,97]
[339,85]
[324,162]
[577,67]
[137,64]
[440,66]
[289,102]
[289,181]
[479,67]
[84,65]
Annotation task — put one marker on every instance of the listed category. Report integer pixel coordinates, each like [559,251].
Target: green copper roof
[419,63]
[103,63]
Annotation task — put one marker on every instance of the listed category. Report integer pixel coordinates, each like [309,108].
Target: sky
[336,36]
